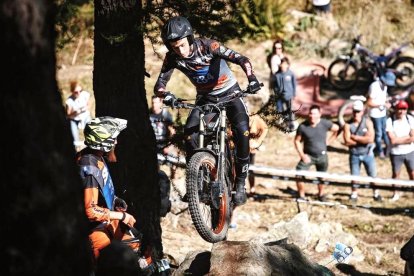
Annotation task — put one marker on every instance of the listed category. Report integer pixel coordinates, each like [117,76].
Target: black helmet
[100,133]
[175,29]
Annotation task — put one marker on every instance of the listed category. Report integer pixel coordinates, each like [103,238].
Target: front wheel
[343,74]
[211,223]
[404,71]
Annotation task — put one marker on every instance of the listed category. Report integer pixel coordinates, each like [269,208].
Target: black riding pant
[239,121]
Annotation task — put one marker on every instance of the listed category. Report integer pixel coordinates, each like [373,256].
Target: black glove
[120,204]
[169,99]
[254,84]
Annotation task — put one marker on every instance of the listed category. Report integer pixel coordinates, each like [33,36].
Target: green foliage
[73,18]
[263,19]
[212,18]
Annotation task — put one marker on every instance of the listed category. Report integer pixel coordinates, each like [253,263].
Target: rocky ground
[376,230]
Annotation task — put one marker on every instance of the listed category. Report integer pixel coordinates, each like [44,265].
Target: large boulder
[251,258]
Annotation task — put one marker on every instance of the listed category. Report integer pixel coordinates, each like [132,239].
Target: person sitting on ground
[285,91]
[400,130]
[107,213]
[77,111]
[359,137]
[204,62]
[313,134]
[162,124]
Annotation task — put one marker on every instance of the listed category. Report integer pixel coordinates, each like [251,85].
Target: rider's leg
[239,121]
[191,133]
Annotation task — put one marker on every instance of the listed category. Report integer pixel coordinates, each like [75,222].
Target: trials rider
[203,61]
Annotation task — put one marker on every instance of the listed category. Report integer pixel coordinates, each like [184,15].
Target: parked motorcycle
[347,70]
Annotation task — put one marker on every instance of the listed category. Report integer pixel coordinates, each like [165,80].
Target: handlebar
[181,103]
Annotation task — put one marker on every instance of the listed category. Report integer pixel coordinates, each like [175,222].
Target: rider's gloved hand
[120,204]
[254,84]
[169,99]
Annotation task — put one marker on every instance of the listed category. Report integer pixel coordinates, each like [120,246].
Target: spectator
[377,99]
[321,6]
[162,123]
[274,59]
[410,101]
[359,137]
[107,214]
[400,130]
[258,130]
[313,134]
[77,111]
[285,91]
[407,254]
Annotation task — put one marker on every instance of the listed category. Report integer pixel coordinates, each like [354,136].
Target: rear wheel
[342,74]
[404,72]
[211,223]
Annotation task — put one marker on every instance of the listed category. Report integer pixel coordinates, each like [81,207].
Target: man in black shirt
[313,134]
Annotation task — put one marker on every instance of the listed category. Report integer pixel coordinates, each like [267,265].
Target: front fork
[217,186]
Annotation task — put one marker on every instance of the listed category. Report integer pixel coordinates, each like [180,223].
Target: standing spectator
[258,130]
[359,137]
[285,91]
[410,101]
[275,58]
[400,130]
[377,98]
[321,6]
[313,134]
[77,111]
[162,123]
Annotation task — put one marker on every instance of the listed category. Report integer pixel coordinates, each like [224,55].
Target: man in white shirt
[400,129]
[77,111]
[377,99]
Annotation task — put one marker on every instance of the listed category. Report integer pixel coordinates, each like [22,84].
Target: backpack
[164,183]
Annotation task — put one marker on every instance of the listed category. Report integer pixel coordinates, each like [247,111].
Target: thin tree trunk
[43,228]
[119,91]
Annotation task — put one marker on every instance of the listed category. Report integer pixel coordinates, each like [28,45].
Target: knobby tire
[341,79]
[211,224]
[404,69]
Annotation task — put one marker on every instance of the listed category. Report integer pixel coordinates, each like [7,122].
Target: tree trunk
[118,81]
[43,228]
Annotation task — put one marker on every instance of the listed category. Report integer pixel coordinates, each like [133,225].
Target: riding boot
[242,167]
[240,196]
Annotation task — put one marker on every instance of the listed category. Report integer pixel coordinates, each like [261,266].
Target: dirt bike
[210,172]
[360,63]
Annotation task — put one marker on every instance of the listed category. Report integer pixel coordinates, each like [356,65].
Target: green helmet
[100,133]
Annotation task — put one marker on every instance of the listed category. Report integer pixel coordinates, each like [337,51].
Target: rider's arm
[217,49]
[164,76]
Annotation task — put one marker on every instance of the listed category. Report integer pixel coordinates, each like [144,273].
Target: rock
[250,258]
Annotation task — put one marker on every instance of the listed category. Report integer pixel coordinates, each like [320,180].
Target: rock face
[250,258]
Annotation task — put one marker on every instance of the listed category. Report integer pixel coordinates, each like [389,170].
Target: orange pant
[102,237]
